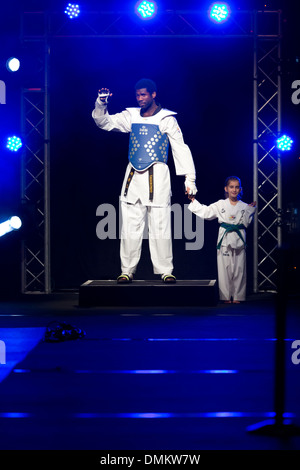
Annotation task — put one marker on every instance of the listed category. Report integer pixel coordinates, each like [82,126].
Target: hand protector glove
[190,183]
[103,96]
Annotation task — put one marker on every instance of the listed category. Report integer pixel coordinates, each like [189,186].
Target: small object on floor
[124,279]
[61,331]
[169,279]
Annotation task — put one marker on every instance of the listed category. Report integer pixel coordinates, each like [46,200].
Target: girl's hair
[233,178]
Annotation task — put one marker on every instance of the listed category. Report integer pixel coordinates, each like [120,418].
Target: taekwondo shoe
[124,278]
[168,278]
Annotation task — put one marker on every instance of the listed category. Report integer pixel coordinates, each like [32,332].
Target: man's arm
[183,160]
[120,122]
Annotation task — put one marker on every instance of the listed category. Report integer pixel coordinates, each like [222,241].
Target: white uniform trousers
[232,273]
[138,222]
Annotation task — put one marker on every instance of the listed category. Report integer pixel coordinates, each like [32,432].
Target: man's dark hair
[146,83]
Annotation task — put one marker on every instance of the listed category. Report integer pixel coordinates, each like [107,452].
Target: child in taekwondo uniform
[234,216]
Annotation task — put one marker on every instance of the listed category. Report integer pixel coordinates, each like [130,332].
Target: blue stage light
[14,223]
[14,143]
[146,10]
[284,143]
[12,64]
[219,12]
[72,10]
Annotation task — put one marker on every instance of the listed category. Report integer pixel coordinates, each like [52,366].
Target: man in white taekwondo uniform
[146,189]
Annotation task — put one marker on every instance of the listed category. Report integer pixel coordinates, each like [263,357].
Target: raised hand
[104,94]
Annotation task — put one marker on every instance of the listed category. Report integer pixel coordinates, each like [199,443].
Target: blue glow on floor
[19,342]
[193,339]
[215,414]
[158,371]
[268,422]
[140,371]
[160,415]
[218,371]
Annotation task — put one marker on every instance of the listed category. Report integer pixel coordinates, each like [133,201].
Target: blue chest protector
[147,146]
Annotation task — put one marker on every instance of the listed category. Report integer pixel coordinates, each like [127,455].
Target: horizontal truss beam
[167,24]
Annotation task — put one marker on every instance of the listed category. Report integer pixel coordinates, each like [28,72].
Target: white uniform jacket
[238,214]
[139,186]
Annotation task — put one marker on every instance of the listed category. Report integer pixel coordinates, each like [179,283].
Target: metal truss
[266,158]
[40,29]
[167,24]
[35,189]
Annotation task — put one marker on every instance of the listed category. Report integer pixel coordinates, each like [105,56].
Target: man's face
[144,98]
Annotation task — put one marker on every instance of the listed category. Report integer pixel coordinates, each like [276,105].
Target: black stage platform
[140,293]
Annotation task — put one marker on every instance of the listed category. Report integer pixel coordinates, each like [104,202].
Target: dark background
[207,82]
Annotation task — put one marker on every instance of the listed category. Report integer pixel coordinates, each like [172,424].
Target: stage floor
[148,378]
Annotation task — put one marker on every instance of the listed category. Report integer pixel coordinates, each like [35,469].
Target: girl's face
[233,189]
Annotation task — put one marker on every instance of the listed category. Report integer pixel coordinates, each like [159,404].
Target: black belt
[129,181]
[151,182]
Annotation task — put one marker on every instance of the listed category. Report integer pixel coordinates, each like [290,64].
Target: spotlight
[284,143]
[14,143]
[72,10]
[146,10]
[14,223]
[12,64]
[219,12]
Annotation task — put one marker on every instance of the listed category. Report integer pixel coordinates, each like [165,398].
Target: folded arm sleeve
[182,155]
[120,122]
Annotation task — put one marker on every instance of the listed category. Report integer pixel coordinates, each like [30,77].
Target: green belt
[231,228]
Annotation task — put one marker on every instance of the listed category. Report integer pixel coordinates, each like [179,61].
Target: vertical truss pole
[35,185]
[47,161]
[266,158]
[255,157]
[279,173]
